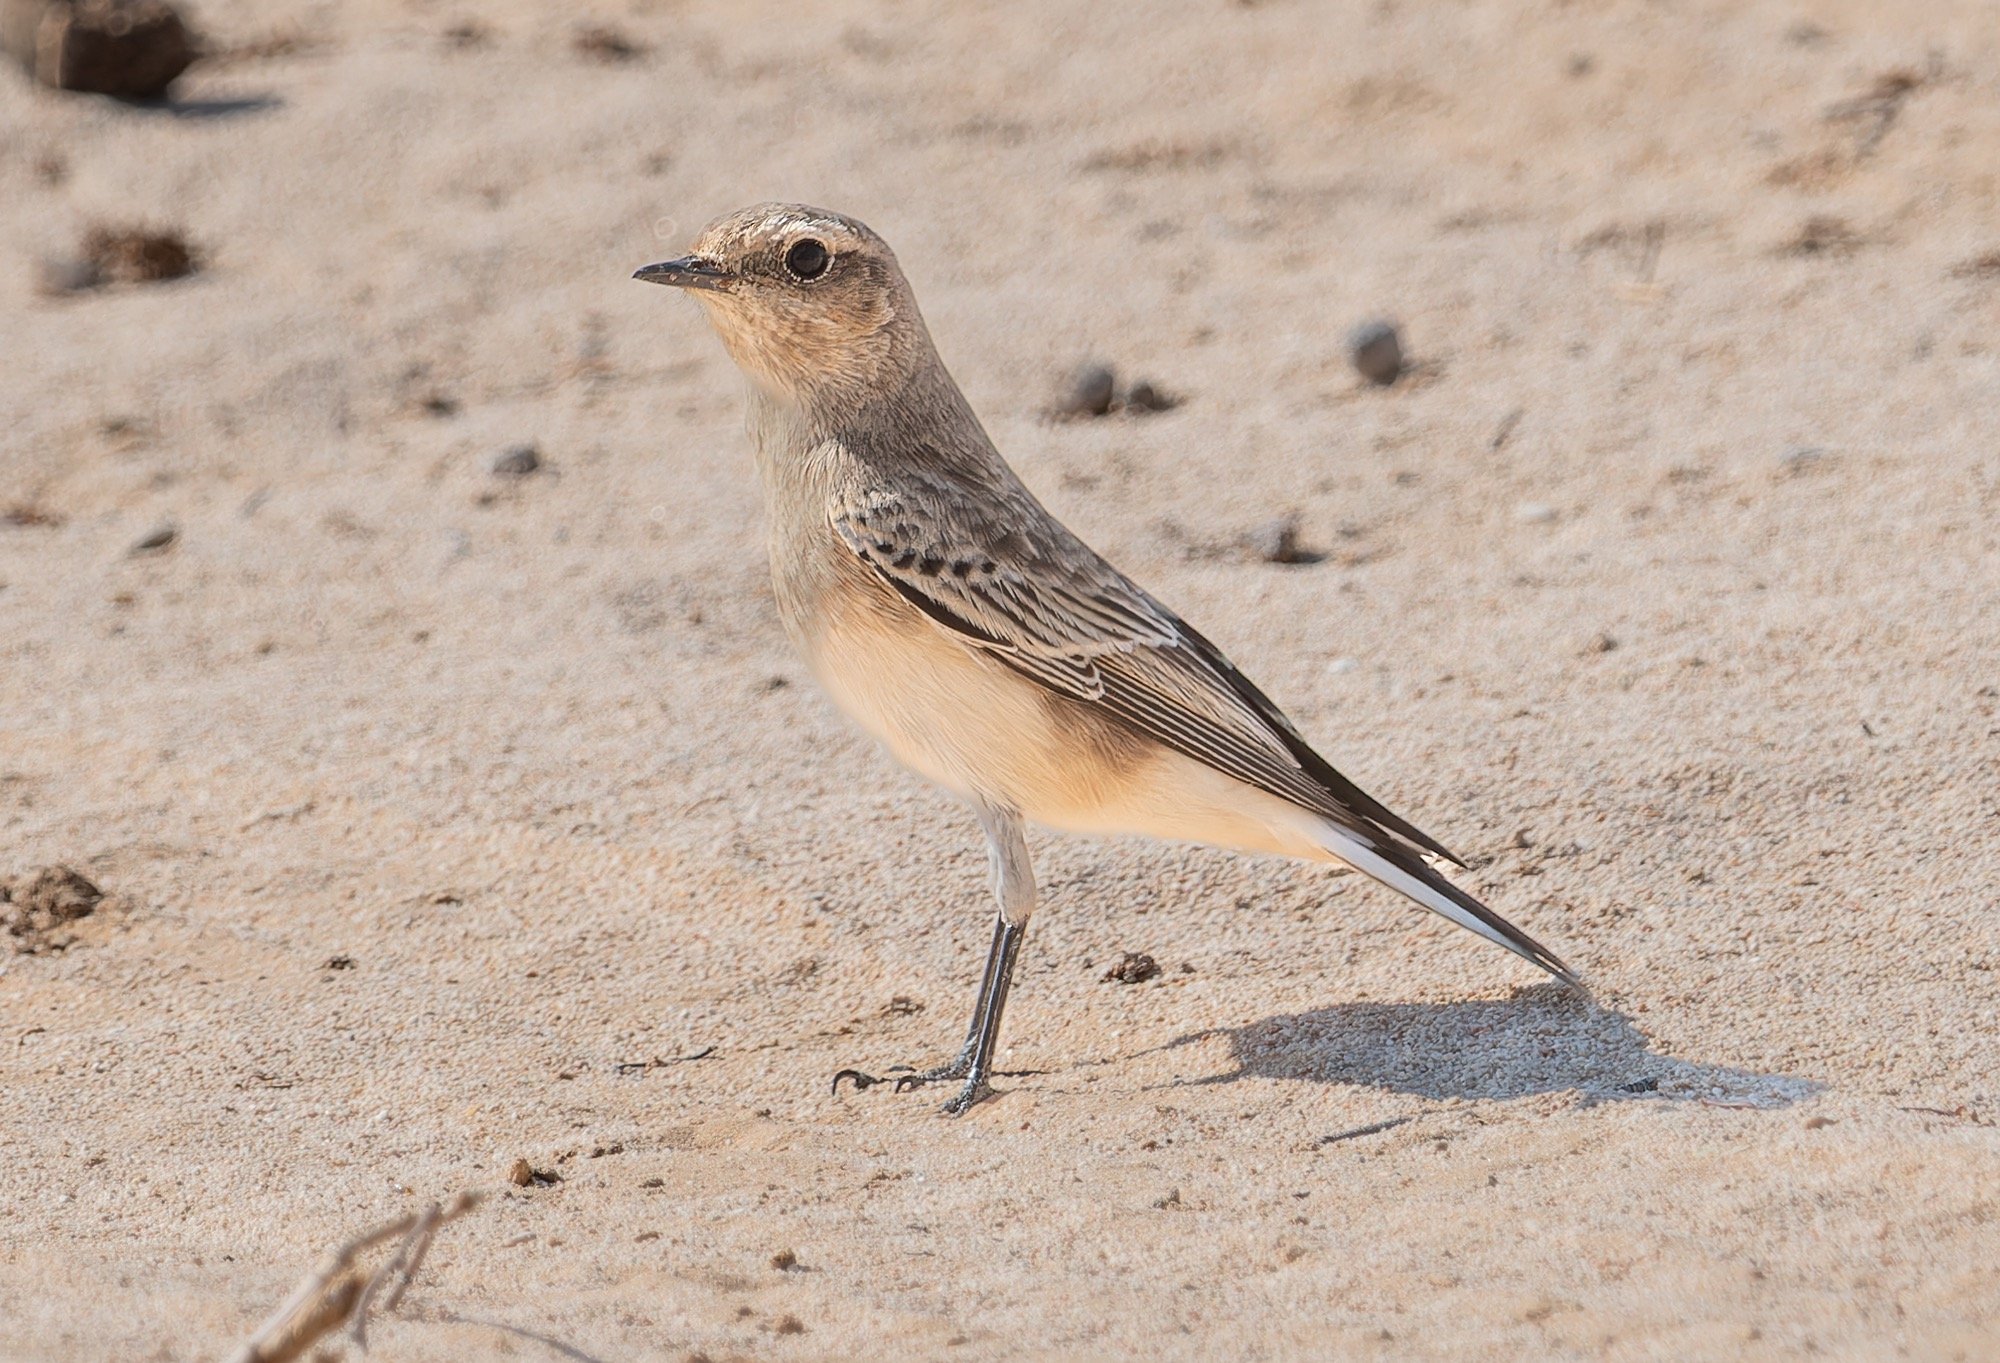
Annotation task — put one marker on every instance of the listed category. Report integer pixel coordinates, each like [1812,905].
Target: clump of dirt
[1136,968]
[138,255]
[38,908]
[120,255]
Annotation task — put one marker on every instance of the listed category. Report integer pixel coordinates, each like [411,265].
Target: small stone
[1534,513]
[130,49]
[342,962]
[517,461]
[1377,351]
[785,1261]
[1136,968]
[1143,397]
[789,1325]
[1277,541]
[1340,667]
[1089,393]
[1818,1123]
[523,1174]
[155,540]
[603,43]
[1603,643]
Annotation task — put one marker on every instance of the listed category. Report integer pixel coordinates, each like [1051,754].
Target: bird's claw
[862,1082]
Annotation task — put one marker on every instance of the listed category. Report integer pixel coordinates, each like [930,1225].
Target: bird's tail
[1406,872]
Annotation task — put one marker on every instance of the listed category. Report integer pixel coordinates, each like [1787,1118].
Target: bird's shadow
[197,109]
[1545,1039]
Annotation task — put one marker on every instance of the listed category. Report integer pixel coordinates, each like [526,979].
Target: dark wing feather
[1035,597]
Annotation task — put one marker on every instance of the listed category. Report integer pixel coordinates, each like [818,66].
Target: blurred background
[1580,416]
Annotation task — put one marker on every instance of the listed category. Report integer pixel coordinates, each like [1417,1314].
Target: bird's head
[810,304]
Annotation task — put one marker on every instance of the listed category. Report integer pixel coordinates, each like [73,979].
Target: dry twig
[336,1291]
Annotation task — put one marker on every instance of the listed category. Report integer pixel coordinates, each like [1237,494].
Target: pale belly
[974,726]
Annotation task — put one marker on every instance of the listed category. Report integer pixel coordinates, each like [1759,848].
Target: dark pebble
[517,462]
[156,540]
[1377,351]
[1144,397]
[1089,393]
[131,49]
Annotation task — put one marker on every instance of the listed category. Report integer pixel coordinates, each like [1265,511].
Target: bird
[958,622]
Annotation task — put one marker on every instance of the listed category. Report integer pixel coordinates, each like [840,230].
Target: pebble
[520,1173]
[130,49]
[160,537]
[1144,397]
[517,461]
[1377,351]
[1089,392]
[1534,513]
[1342,666]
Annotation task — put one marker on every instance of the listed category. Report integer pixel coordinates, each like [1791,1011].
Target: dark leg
[957,1066]
[1014,886]
[986,1038]
[961,1064]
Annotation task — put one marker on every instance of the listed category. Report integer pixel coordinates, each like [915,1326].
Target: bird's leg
[1014,886]
[956,1067]
[1001,970]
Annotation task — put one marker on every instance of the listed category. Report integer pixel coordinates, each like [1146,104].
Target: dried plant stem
[335,1291]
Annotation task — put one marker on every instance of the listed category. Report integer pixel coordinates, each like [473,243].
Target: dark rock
[132,49]
[1377,351]
[517,462]
[1144,397]
[156,539]
[1089,393]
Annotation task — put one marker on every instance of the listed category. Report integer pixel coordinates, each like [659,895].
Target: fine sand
[428,802]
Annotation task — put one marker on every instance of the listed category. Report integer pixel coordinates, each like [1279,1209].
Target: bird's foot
[863,1080]
[976,1091]
[905,1077]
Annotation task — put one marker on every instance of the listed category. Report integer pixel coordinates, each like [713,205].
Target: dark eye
[807,259]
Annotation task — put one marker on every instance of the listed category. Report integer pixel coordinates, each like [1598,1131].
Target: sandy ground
[1667,588]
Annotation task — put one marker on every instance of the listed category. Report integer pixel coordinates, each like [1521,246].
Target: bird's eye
[808,258]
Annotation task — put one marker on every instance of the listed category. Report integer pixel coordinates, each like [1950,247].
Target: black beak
[689,272]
